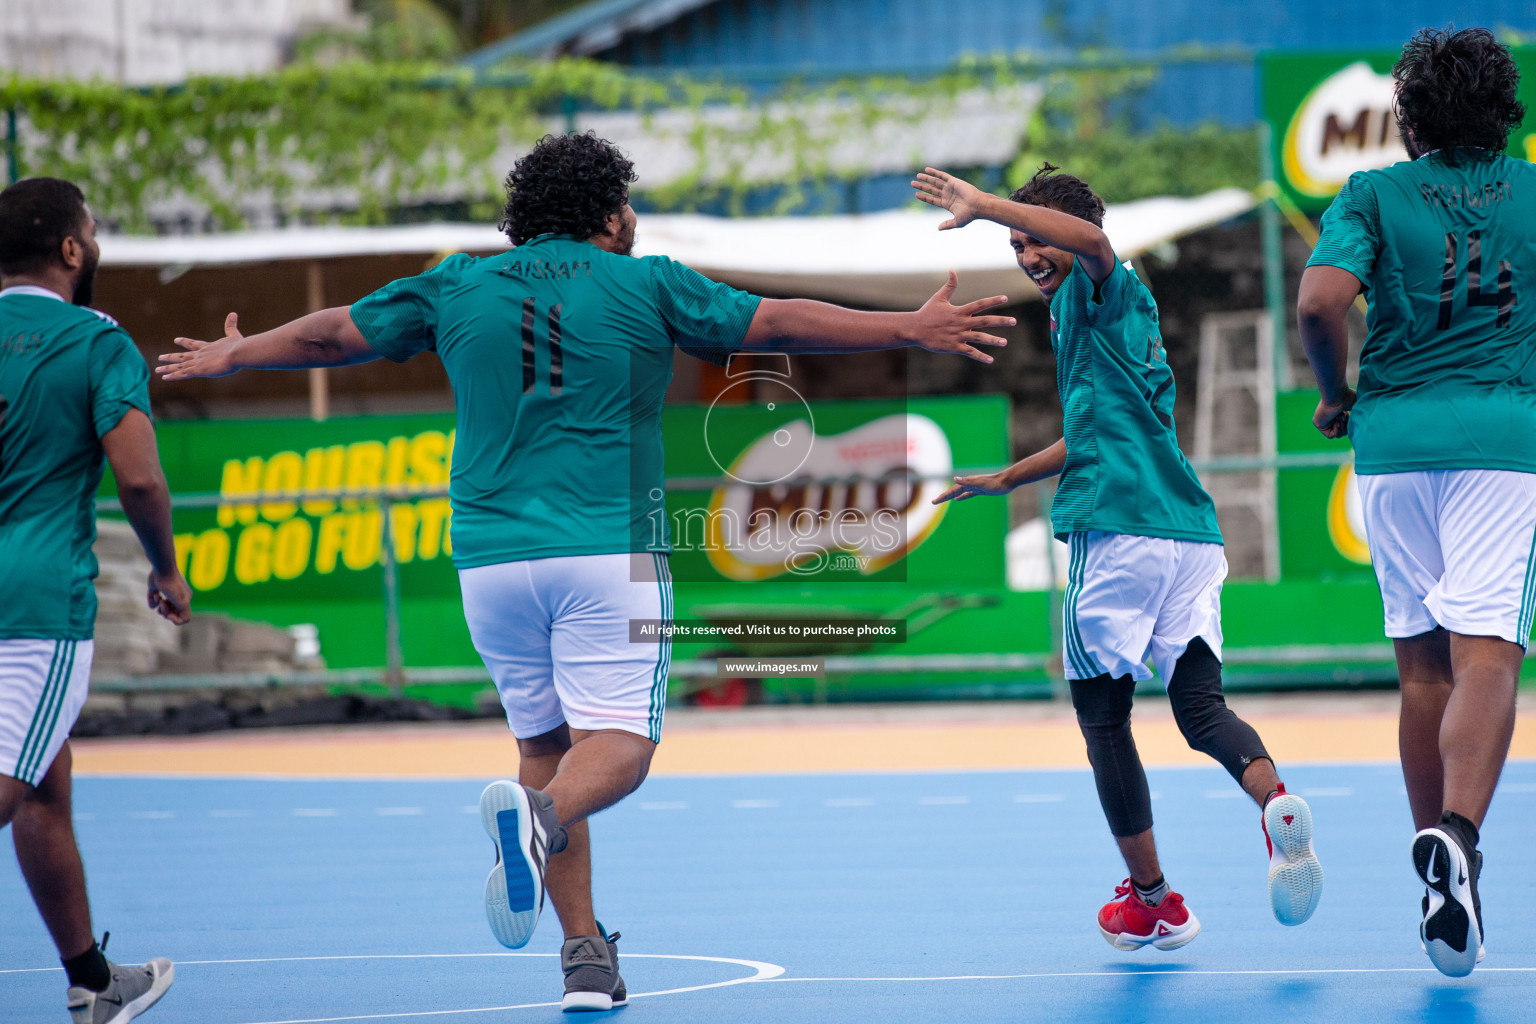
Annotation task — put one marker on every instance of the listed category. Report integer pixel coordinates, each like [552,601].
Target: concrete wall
[146,41]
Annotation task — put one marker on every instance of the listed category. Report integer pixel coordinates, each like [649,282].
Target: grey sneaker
[591,966]
[522,824]
[133,990]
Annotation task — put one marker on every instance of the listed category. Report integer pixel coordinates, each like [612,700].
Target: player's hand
[203,358]
[1332,418]
[961,198]
[171,597]
[970,486]
[943,327]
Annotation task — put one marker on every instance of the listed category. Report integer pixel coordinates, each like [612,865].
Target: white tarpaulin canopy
[892,259]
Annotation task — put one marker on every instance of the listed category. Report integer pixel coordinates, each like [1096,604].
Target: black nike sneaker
[1452,929]
[591,966]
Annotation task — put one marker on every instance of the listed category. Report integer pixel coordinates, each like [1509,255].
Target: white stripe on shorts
[43,684]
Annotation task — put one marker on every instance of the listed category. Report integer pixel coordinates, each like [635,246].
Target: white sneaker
[1295,876]
[519,821]
[132,991]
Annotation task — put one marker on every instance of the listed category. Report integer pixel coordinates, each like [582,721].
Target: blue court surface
[881,898]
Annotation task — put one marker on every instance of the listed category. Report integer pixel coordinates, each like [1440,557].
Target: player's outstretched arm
[966,203]
[130,449]
[326,338]
[1026,471]
[1322,308]
[805,325]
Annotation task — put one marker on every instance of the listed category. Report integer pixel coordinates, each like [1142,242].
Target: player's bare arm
[1322,308]
[326,338]
[1042,464]
[804,325]
[965,203]
[130,450]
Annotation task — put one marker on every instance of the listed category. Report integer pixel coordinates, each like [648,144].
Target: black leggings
[1103,709]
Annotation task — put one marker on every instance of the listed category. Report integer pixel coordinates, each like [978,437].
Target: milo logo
[1346,517]
[1345,124]
[805,503]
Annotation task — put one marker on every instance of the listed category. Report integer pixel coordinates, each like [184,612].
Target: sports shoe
[591,966]
[1481,952]
[1451,930]
[522,824]
[1295,876]
[1126,922]
[132,991]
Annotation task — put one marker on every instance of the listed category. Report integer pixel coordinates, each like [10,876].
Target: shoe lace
[103,944]
[1123,889]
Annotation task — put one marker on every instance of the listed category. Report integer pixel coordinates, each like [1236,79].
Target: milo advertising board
[1330,115]
[854,510]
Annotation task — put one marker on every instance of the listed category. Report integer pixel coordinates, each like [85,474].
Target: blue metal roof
[587,29]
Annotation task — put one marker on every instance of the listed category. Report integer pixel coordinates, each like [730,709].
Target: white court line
[398,812]
[763,972]
[152,815]
[470,808]
[1039,798]
[751,804]
[314,812]
[663,805]
[942,801]
[1515,787]
[1329,791]
[1224,794]
[1172,972]
[231,814]
[848,801]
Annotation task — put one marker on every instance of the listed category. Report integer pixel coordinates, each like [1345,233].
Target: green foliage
[356,141]
[1081,126]
[358,138]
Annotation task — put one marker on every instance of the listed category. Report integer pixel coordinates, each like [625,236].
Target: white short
[42,689]
[1133,599]
[1453,548]
[554,633]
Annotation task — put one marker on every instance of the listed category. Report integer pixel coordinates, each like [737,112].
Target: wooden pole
[319,381]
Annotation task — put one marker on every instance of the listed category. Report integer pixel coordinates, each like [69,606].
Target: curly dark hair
[1065,192]
[1457,90]
[566,185]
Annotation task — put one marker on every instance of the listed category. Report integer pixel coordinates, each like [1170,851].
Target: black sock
[1462,828]
[89,970]
[1152,894]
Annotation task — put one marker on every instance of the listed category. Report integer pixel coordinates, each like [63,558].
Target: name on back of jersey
[21,343]
[1472,197]
[546,270]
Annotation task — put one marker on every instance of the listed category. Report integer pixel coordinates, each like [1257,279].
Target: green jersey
[1445,249]
[559,354]
[1124,471]
[67,377]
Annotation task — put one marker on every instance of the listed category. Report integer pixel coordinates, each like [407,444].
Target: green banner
[259,548]
[1330,115]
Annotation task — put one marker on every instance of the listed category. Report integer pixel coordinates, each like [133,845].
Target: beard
[626,246]
[85,287]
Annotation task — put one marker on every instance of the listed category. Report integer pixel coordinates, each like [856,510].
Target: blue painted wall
[850,35]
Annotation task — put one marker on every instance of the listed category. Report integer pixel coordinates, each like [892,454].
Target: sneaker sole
[1296,885]
[1180,936]
[590,1002]
[514,890]
[1451,921]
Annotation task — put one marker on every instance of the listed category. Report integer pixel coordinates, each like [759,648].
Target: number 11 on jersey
[552,342]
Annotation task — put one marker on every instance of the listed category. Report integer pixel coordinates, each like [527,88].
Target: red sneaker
[1128,923]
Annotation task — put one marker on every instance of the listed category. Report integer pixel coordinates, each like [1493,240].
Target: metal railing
[395,674]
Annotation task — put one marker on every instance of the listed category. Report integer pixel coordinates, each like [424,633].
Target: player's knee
[1102,702]
[12,794]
